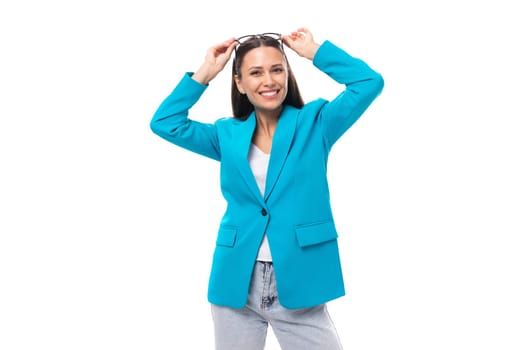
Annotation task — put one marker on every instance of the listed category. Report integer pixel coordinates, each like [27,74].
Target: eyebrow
[260,67]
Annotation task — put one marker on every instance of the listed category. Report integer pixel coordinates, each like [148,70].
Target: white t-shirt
[259,163]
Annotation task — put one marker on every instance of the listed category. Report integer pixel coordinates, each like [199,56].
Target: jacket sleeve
[362,83]
[171,121]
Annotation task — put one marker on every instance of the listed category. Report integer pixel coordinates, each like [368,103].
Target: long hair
[241,106]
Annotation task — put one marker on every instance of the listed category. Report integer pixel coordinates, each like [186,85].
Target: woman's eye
[255,73]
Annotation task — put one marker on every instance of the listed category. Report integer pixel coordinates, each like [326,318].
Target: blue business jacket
[295,210]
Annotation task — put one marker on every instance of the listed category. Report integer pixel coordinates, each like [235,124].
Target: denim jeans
[295,329]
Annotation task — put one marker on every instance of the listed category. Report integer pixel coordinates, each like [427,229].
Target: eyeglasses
[264,36]
[268,37]
[275,36]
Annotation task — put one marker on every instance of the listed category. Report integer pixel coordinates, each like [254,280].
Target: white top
[259,163]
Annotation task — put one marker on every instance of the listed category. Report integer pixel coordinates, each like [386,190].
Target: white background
[107,231]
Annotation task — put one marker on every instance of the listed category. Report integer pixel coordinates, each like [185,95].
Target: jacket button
[264,212]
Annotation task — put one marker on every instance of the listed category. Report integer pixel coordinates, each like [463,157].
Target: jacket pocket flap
[226,236]
[315,233]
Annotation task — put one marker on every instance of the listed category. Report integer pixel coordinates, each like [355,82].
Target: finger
[295,36]
[225,46]
[303,30]
[287,40]
[230,41]
[305,33]
[231,47]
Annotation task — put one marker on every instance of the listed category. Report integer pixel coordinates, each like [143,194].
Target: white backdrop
[107,231]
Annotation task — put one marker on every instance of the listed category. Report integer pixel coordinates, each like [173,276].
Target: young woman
[276,259]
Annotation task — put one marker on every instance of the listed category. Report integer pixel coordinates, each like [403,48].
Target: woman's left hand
[302,42]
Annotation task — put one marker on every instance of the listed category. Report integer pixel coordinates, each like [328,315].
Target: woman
[276,259]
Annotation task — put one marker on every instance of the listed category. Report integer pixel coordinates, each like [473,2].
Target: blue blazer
[295,210]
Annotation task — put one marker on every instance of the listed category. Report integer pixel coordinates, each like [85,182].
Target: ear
[238,83]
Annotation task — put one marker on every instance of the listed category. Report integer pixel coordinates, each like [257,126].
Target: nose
[268,79]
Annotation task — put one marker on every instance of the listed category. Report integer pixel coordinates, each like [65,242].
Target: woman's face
[264,78]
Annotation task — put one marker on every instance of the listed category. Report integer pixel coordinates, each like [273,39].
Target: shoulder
[313,107]
[227,122]
[228,125]
[315,104]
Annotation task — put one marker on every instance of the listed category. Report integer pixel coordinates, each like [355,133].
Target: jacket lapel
[282,140]
[281,143]
[242,137]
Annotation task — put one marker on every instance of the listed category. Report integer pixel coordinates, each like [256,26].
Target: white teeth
[271,93]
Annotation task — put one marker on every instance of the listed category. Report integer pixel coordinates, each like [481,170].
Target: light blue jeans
[295,329]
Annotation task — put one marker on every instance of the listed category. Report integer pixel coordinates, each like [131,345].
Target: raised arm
[171,121]
[362,83]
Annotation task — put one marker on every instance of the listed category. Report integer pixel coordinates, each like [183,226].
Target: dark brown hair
[241,106]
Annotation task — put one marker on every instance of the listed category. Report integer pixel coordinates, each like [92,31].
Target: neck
[266,123]
[265,127]
[264,130]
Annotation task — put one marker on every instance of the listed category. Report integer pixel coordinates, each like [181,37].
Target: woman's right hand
[216,58]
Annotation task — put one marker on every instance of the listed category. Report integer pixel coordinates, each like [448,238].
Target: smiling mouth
[269,93]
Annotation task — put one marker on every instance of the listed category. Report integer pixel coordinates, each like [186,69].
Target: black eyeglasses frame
[242,39]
